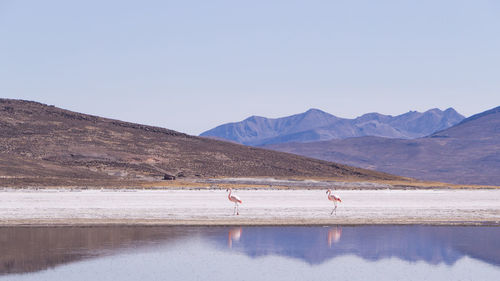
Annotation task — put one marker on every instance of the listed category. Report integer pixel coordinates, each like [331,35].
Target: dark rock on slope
[45,145]
[316,125]
[467,153]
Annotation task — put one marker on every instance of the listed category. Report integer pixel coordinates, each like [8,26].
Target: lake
[368,252]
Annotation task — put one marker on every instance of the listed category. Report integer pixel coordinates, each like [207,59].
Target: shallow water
[250,253]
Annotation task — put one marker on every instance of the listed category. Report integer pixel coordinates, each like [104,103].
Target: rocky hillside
[46,145]
[316,125]
[467,153]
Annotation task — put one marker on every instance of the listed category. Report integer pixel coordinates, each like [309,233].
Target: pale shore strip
[260,207]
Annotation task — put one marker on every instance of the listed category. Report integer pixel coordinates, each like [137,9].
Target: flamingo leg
[334,209]
[237,209]
[235,206]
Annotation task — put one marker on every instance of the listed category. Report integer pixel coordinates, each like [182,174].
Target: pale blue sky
[192,65]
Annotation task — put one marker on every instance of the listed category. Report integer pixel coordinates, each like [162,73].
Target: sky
[192,65]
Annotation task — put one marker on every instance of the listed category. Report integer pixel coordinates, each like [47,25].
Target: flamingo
[235,199]
[334,198]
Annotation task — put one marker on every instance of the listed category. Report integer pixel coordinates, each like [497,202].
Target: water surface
[250,253]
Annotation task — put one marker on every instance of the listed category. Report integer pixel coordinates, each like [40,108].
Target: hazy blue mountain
[467,153]
[316,125]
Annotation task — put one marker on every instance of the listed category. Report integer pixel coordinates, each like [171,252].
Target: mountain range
[316,125]
[46,145]
[466,153]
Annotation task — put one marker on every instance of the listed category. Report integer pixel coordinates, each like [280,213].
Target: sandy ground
[260,207]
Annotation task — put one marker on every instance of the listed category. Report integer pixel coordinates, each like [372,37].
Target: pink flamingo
[334,198]
[235,199]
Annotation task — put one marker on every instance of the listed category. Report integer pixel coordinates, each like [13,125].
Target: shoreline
[260,207]
[222,223]
[255,183]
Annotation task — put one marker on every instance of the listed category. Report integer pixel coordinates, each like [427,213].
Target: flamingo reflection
[233,234]
[334,234]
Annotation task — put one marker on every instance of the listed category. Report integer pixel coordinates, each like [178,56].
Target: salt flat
[260,207]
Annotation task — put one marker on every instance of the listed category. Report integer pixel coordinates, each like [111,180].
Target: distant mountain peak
[434,110]
[254,117]
[373,115]
[315,110]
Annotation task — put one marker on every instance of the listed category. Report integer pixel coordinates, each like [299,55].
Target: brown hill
[467,153]
[45,145]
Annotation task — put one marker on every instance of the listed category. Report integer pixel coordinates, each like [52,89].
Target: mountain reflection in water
[315,245]
[30,249]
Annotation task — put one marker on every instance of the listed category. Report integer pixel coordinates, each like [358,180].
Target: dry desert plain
[260,207]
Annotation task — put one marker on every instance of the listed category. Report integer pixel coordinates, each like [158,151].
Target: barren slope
[42,144]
